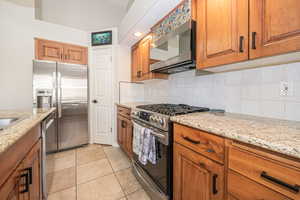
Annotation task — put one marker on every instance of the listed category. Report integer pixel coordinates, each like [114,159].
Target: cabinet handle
[214,189]
[190,140]
[26,183]
[29,174]
[66,57]
[241,44]
[254,40]
[123,124]
[210,151]
[294,188]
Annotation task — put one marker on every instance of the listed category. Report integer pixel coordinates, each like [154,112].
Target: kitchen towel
[147,147]
[137,130]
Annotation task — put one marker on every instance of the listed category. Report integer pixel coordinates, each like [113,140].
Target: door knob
[95,101]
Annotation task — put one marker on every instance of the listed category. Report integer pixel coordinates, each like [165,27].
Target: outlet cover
[286,89]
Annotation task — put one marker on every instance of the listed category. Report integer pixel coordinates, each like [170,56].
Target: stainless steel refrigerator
[68,84]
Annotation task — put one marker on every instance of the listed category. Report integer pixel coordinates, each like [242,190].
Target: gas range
[158,115]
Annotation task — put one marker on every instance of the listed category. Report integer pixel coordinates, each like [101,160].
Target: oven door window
[157,172]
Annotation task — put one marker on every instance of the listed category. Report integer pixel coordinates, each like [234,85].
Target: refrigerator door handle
[59,96]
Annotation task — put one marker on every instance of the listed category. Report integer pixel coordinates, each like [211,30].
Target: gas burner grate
[172,109]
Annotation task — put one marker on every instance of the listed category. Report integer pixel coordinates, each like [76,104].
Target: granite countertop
[131,105]
[277,135]
[28,119]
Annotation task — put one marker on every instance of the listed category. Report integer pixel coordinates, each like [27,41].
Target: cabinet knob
[95,101]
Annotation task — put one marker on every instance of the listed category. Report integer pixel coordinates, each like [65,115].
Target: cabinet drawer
[207,144]
[242,188]
[124,111]
[273,174]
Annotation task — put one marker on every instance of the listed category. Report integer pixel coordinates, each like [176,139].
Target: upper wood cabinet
[140,61]
[196,177]
[60,52]
[222,32]
[230,31]
[75,54]
[48,50]
[274,27]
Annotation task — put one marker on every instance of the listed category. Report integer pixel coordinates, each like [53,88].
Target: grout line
[114,172]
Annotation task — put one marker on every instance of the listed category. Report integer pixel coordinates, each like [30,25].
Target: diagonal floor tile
[93,170]
[90,155]
[139,195]
[60,163]
[117,158]
[61,180]
[68,194]
[128,181]
[103,188]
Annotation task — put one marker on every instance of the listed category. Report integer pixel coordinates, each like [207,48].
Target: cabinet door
[242,188]
[48,50]
[135,64]
[119,131]
[13,187]
[196,177]
[222,32]
[145,55]
[274,27]
[32,163]
[75,54]
[128,136]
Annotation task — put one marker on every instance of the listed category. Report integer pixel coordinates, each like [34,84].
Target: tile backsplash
[252,91]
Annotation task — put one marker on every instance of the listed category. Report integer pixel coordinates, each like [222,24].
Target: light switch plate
[286,89]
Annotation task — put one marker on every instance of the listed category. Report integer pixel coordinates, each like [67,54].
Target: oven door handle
[154,132]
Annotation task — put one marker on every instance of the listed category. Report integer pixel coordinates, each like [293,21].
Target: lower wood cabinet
[23,181]
[124,130]
[242,188]
[245,172]
[196,177]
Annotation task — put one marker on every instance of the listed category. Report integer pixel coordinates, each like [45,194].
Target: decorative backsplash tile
[174,20]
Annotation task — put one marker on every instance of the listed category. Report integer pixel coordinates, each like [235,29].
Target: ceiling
[86,15]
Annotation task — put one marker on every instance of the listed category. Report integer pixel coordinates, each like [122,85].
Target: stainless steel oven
[156,179]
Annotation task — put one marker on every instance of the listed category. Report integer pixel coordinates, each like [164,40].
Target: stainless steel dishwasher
[48,128]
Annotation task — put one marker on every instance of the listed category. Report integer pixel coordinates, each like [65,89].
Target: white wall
[18,29]
[252,91]
[142,15]
[85,15]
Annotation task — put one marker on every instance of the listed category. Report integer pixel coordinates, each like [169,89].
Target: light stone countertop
[131,105]
[28,119]
[277,135]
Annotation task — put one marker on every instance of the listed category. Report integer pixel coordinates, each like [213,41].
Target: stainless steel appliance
[157,179]
[44,98]
[48,128]
[176,51]
[69,86]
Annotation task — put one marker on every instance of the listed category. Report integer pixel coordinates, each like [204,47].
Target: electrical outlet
[286,89]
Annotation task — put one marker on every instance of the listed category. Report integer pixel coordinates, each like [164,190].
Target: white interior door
[101,95]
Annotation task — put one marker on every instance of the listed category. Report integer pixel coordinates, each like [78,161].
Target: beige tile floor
[94,172]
